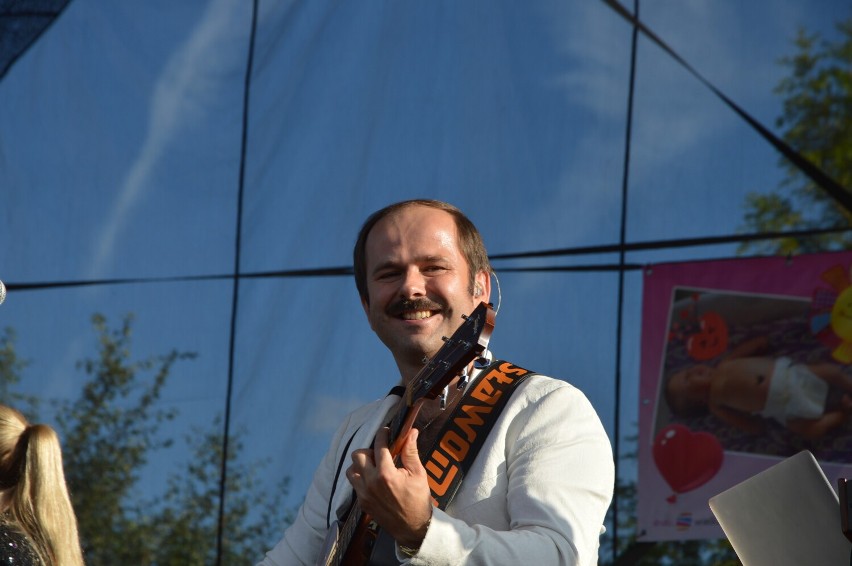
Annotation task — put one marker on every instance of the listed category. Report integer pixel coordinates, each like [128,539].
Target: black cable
[283,273]
[347,271]
[622,236]
[223,477]
[671,244]
[817,175]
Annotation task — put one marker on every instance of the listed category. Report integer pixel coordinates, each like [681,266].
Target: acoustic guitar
[350,541]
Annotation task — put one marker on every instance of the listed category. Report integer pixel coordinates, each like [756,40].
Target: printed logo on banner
[684,521]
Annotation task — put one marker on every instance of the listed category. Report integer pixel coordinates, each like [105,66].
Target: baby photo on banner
[745,362]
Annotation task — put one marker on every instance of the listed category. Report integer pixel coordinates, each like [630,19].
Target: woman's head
[33,481]
[13,425]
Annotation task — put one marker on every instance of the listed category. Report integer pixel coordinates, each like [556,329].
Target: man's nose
[413,284]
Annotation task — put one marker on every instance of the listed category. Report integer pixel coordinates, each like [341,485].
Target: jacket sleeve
[550,506]
[303,540]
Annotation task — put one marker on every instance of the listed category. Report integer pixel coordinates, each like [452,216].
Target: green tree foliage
[108,434]
[11,368]
[113,430]
[188,521]
[817,122]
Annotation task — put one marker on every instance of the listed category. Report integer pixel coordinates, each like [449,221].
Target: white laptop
[787,515]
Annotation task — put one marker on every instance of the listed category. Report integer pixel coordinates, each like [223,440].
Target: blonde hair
[31,472]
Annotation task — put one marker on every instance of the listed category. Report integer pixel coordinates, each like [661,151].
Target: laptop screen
[786,515]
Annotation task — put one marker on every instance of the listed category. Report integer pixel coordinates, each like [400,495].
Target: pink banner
[744,363]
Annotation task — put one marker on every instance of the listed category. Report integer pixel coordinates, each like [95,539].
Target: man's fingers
[362,465]
[409,455]
[382,437]
[370,464]
[381,454]
[362,458]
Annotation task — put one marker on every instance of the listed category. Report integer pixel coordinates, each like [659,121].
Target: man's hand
[398,499]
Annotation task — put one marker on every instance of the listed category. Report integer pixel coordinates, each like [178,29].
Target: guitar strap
[464,433]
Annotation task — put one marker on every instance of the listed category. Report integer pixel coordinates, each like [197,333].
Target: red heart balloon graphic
[711,341]
[686,459]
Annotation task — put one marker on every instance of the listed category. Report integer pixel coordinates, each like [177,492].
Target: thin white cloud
[179,99]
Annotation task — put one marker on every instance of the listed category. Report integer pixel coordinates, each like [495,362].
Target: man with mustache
[539,487]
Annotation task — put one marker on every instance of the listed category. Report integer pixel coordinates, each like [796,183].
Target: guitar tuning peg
[443,397]
[425,360]
[464,379]
[445,339]
[464,316]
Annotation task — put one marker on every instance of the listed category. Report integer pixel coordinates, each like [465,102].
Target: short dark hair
[470,241]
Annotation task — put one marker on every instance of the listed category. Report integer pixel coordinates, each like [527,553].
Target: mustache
[422,304]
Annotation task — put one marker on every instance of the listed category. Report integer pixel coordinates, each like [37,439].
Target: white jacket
[536,494]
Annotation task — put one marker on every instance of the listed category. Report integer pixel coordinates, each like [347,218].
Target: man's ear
[482,282]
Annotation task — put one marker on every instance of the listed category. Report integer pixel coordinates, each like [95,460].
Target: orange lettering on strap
[484,391]
[440,458]
[434,469]
[510,369]
[440,489]
[454,445]
[453,448]
[467,424]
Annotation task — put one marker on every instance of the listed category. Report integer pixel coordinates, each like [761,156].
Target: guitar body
[375,548]
[351,542]
[363,542]
[330,545]
[360,548]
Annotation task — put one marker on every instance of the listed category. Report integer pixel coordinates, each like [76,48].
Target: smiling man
[538,488]
[416,283]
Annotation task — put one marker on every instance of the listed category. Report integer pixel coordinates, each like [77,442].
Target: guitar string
[455,396]
[452,399]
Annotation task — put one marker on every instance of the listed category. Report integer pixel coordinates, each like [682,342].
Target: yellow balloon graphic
[841,323]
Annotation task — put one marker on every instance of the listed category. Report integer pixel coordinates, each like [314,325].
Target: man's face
[418,282]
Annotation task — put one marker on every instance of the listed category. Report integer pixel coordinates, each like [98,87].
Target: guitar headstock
[466,343]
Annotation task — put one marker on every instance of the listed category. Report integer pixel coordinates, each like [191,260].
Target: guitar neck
[402,421]
[357,534]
